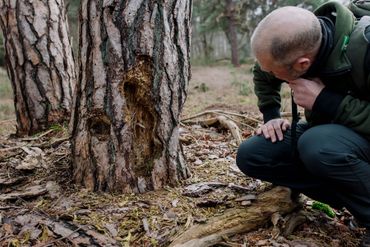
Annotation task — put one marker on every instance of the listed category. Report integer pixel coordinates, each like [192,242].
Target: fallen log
[233,221]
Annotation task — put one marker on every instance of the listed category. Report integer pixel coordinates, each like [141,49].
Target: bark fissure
[181,62]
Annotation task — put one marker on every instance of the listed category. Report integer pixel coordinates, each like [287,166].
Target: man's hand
[274,129]
[306,91]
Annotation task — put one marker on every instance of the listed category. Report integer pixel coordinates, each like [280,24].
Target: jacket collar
[326,47]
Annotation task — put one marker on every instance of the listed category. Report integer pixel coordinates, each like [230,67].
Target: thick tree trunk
[231,31]
[133,77]
[39,61]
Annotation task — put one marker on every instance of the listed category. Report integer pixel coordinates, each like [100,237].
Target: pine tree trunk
[231,31]
[39,61]
[133,76]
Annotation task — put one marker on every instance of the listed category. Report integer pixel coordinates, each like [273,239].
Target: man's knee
[321,150]
[247,158]
[243,157]
[256,156]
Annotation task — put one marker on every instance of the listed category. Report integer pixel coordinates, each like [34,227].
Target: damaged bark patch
[141,116]
[99,125]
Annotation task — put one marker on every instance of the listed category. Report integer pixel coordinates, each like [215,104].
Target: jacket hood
[344,22]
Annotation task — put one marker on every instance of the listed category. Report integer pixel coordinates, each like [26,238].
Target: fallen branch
[224,122]
[236,221]
[239,115]
[36,137]
[234,129]
[223,113]
[52,143]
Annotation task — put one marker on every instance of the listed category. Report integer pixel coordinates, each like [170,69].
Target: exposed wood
[235,221]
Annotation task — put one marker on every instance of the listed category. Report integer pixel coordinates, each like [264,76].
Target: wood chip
[248,197]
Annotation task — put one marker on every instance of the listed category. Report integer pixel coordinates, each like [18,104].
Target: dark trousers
[331,164]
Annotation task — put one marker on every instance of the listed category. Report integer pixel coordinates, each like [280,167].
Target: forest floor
[40,206]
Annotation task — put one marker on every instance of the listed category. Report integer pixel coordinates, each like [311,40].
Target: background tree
[39,61]
[231,30]
[235,21]
[133,76]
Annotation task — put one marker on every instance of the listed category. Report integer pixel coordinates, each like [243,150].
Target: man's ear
[302,64]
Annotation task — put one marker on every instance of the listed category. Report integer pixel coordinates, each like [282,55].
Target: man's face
[283,72]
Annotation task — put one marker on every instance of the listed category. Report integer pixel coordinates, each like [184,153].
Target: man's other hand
[306,91]
[274,129]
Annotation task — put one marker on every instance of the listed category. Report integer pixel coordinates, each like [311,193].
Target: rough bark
[133,76]
[39,61]
[231,31]
[236,221]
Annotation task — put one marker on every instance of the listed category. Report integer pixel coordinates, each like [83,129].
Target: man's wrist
[270,113]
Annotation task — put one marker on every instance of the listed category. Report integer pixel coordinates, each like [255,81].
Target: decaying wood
[236,221]
[39,61]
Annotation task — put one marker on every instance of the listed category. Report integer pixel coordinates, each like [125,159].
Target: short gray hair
[283,48]
[301,36]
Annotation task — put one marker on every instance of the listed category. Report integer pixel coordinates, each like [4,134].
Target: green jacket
[354,106]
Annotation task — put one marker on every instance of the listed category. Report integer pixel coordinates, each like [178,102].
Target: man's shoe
[365,241]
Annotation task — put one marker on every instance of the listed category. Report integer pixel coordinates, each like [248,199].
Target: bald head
[285,33]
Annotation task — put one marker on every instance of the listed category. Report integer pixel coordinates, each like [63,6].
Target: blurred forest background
[221,30]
